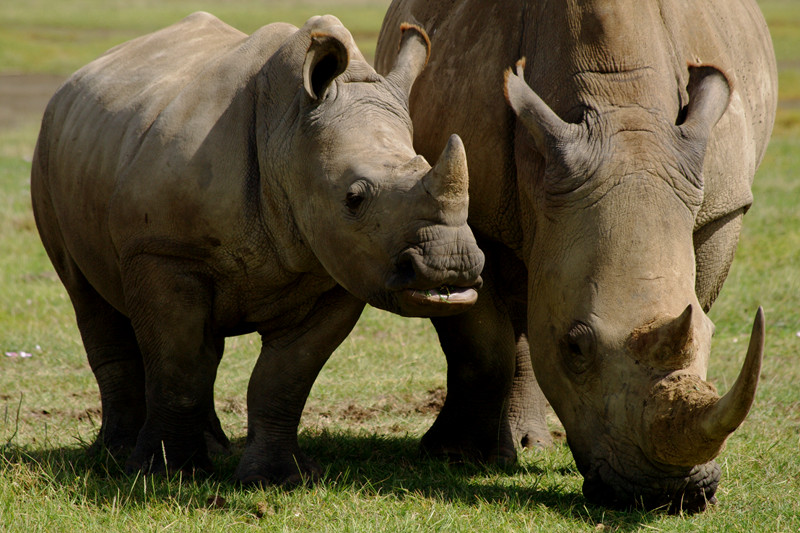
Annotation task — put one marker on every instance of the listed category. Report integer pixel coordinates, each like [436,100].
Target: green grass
[60,37]
[374,399]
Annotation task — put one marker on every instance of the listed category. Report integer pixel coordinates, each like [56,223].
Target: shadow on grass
[358,464]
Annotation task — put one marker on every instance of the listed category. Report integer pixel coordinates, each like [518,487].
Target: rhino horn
[448,180]
[413,55]
[730,411]
[681,330]
[669,345]
[689,422]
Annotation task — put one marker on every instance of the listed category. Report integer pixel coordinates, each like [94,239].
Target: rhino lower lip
[442,301]
[444,295]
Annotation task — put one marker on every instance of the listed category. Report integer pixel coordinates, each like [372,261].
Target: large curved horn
[730,411]
[688,422]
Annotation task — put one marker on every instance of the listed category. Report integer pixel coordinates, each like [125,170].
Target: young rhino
[198,183]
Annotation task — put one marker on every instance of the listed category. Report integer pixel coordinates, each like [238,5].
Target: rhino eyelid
[579,348]
[356,196]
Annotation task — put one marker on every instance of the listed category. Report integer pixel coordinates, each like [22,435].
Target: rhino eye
[578,348]
[353,201]
[356,195]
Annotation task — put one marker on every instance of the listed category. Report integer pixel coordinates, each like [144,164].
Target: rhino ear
[709,94]
[413,55]
[327,58]
[544,125]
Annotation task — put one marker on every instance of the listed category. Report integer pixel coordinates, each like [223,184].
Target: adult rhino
[198,183]
[608,198]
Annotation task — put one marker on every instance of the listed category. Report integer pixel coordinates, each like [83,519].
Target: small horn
[665,345]
[448,180]
[730,411]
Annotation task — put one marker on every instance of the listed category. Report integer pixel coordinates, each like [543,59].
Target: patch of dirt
[323,415]
[23,97]
[34,277]
[233,406]
[92,414]
[433,402]
[356,413]
[559,437]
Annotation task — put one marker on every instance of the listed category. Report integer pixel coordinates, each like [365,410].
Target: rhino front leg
[480,347]
[282,378]
[527,407]
[169,302]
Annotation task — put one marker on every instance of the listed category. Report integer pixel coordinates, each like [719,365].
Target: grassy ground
[47,36]
[381,390]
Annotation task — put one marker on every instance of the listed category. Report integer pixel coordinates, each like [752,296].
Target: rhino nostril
[406,267]
[405,272]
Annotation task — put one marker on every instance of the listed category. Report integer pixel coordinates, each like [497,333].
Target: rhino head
[619,341]
[377,217]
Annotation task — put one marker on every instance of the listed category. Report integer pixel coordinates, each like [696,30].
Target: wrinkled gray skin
[198,183]
[609,174]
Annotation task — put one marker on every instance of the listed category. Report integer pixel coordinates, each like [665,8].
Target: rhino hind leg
[112,351]
[117,365]
[169,301]
[107,335]
[217,441]
[715,245]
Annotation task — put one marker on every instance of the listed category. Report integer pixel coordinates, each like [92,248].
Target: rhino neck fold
[276,105]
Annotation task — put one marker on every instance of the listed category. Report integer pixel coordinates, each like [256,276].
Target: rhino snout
[437,279]
[416,269]
[689,490]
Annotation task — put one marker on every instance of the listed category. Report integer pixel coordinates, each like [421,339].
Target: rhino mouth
[690,492]
[442,301]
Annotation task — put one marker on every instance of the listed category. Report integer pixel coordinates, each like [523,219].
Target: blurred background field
[383,387]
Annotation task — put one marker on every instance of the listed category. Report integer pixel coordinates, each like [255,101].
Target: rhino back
[154,141]
[571,67]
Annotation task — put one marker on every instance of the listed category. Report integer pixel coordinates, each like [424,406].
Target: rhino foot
[217,442]
[461,444]
[159,457]
[533,438]
[117,445]
[296,470]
